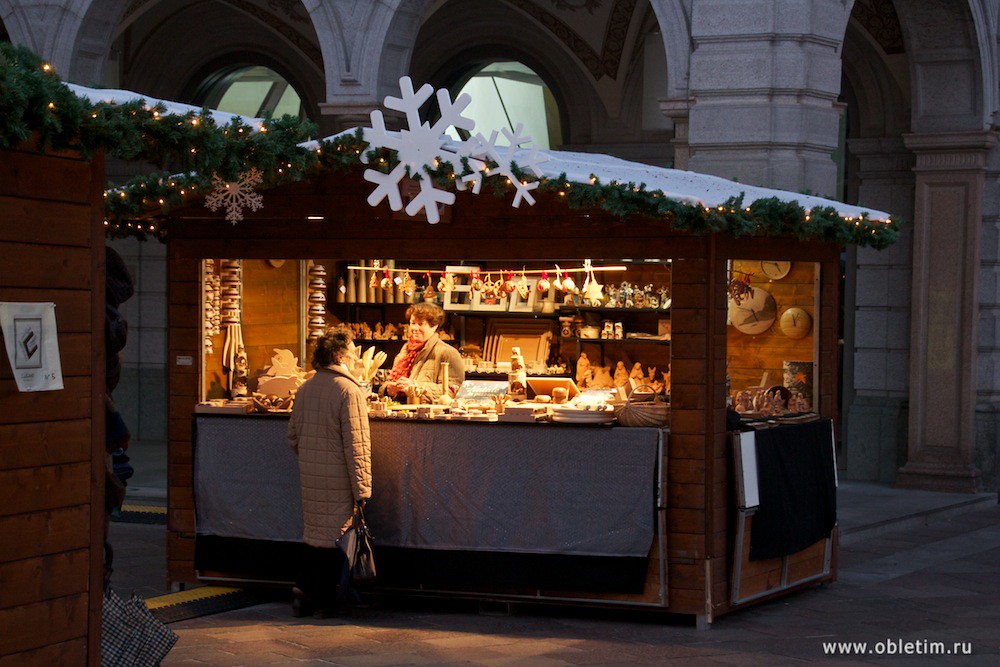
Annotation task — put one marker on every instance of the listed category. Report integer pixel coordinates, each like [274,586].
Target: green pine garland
[192,147]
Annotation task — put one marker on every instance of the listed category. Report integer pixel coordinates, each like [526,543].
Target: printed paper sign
[30,336]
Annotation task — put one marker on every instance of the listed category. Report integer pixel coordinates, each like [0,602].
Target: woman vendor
[417,373]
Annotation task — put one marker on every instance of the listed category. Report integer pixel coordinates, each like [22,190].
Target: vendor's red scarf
[403,366]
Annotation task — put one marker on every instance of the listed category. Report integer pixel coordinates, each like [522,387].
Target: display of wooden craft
[317,297]
[795,323]
[234,356]
[212,323]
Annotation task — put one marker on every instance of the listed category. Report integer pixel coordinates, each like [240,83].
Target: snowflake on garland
[421,147]
[503,156]
[236,195]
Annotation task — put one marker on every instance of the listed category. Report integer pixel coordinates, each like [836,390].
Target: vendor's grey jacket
[427,369]
[330,434]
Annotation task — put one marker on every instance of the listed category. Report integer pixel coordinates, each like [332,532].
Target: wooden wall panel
[40,444]
[52,442]
[73,652]
[44,578]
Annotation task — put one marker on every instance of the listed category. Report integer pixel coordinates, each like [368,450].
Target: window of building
[507,93]
[252,91]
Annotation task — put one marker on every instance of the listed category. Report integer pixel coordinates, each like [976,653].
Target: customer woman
[417,371]
[330,435]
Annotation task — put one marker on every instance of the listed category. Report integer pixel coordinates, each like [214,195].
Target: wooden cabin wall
[751,356]
[52,442]
[184,340]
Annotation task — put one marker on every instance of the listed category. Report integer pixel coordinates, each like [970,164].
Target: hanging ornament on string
[446,283]
[522,285]
[373,280]
[475,282]
[409,284]
[386,282]
[488,288]
[543,282]
[567,282]
[557,283]
[429,294]
[498,286]
[508,283]
[593,291]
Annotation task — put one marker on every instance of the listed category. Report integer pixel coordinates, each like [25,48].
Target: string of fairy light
[191,147]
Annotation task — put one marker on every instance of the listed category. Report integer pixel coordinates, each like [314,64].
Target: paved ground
[917,568]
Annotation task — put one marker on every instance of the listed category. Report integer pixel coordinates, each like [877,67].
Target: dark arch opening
[506,89]
[251,85]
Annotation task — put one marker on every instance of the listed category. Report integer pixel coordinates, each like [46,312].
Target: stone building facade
[891,104]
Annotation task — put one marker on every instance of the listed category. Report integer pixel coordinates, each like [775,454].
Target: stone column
[877,318]
[947,220]
[678,110]
[766,78]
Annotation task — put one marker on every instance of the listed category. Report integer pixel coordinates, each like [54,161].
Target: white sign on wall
[30,337]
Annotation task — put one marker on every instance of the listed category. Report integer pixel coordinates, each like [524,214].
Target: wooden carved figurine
[583,371]
[621,374]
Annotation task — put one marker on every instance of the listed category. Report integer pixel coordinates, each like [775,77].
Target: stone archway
[953,315]
[877,286]
[366,49]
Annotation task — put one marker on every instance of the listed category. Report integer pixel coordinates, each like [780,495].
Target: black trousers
[319,574]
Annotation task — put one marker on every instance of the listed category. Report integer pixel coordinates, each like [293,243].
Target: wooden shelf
[602,341]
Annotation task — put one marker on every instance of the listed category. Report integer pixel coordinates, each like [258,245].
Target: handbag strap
[359,522]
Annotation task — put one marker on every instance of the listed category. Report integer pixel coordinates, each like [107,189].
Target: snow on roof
[684,186]
[114,96]
[688,187]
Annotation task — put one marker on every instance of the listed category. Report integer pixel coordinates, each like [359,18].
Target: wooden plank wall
[52,443]
[184,339]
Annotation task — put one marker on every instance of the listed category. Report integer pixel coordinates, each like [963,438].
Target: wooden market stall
[698,561]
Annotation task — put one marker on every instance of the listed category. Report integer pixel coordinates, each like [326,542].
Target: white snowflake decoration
[420,147]
[236,195]
[504,157]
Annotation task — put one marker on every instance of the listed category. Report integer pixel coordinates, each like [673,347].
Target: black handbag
[357,547]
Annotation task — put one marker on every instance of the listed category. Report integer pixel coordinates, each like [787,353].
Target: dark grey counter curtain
[481,487]
[246,478]
[511,488]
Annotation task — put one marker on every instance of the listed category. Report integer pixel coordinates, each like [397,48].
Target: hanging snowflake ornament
[236,195]
[503,156]
[422,146]
[419,148]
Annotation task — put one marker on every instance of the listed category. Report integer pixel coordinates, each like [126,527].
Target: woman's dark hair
[431,313]
[331,347]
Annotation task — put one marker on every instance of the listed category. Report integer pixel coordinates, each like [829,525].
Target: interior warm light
[315,217]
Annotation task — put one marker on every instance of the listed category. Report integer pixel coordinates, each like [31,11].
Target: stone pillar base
[939,477]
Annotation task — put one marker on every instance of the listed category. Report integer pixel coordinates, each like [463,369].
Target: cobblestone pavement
[899,591]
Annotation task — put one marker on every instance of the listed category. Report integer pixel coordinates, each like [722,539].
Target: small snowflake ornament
[236,195]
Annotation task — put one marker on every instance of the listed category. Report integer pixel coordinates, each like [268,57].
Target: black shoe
[301,608]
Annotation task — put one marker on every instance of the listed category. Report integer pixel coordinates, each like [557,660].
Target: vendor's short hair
[431,313]
[331,347]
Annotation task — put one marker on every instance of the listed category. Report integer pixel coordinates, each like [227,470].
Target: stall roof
[705,194]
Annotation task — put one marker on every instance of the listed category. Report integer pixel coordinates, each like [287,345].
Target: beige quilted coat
[329,432]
